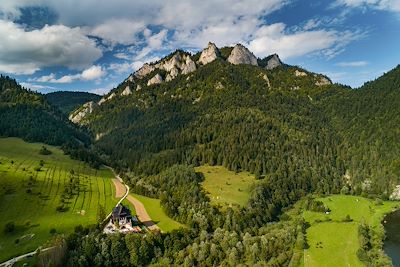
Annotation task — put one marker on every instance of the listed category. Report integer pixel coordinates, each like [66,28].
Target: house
[122,221]
[121,214]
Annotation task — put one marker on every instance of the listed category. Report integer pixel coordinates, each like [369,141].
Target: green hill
[39,193]
[67,101]
[29,115]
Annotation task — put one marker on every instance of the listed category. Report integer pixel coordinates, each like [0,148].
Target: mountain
[68,101]
[295,131]
[170,115]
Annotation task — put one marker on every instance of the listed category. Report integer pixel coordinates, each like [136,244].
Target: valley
[45,195]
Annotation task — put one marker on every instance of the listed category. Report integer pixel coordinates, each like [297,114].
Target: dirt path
[120,189]
[142,214]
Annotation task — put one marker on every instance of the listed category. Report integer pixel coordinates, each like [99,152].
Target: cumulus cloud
[274,39]
[352,64]
[24,52]
[152,26]
[118,31]
[90,74]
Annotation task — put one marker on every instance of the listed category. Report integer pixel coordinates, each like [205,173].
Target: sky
[93,45]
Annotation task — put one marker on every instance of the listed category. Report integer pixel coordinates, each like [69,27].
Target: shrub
[44,151]
[347,218]
[53,231]
[9,227]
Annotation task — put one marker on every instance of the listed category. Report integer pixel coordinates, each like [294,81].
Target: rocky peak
[209,54]
[157,79]
[241,55]
[273,62]
[174,62]
[144,70]
[189,66]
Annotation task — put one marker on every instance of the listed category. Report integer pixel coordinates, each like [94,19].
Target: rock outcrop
[298,73]
[273,62]
[241,55]
[209,54]
[157,79]
[78,115]
[144,70]
[322,81]
[127,91]
[189,66]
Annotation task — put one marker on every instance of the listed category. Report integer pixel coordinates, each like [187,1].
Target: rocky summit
[182,63]
[209,54]
[241,55]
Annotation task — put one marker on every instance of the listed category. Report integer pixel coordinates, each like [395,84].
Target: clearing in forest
[226,188]
[41,195]
[333,240]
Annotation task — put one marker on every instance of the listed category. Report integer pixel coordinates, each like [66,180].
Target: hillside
[45,195]
[67,101]
[29,115]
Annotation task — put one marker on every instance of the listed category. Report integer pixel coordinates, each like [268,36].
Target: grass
[333,242]
[226,188]
[29,198]
[157,214]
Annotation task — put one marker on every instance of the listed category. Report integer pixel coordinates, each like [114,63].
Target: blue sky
[93,45]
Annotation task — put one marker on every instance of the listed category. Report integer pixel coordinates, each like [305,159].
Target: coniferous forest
[296,137]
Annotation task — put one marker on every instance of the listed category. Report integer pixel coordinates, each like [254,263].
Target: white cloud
[46,78]
[90,74]
[25,52]
[273,39]
[118,31]
[389,5]
[352,64]
[121,55]
[37,87]
[101,90]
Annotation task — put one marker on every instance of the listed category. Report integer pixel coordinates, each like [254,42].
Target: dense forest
[296,135]
[67,101]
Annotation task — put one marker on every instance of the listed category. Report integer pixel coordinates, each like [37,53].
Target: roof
[121,211]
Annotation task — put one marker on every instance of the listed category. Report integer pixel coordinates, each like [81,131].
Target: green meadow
[43,195]
[333,241]
[226,188]
[157,213]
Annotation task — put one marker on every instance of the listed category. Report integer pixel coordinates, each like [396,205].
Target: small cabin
[121,214]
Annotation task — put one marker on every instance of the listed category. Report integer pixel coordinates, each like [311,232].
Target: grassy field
[157,214]
[333,242]
[30,197]
[226,188]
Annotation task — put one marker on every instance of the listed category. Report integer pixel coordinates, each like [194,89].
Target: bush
[44,151]
[53,231]
[38,168]
[347,218]
[9,227]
